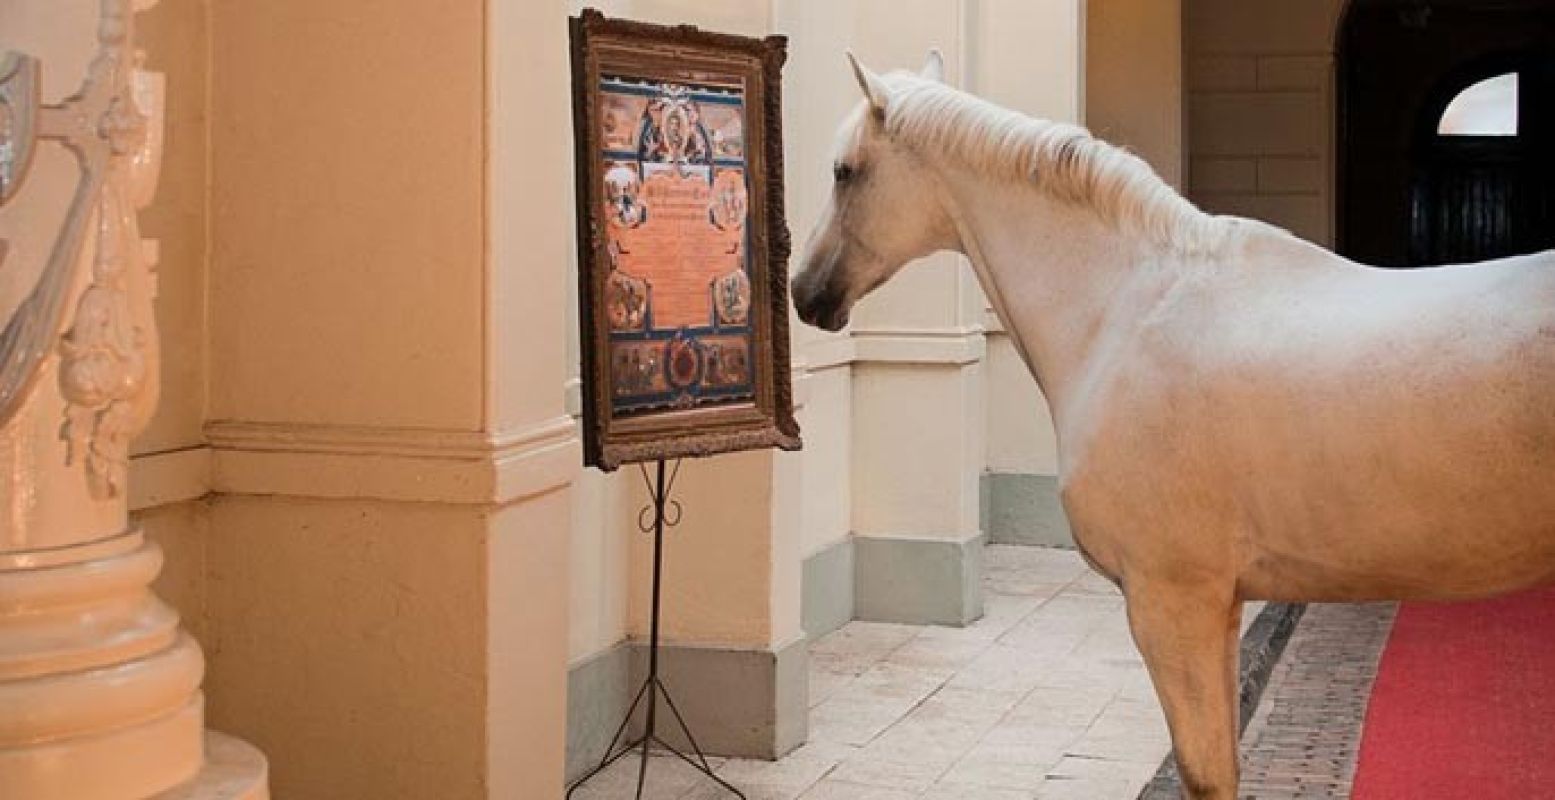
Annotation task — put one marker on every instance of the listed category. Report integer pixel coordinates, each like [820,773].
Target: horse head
[885,208]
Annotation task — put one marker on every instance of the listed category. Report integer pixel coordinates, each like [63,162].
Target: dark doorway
[1412,195]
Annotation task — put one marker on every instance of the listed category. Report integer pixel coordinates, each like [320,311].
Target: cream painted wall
[827,472]
[817,95]
[931,489]
[529,237]
[169,470]
[525,640]
[183,531]
[600,564]
[1015,41]
[1260,110]
[745,17]
[369,119]
[1029,55]
[527,531]
[1020,425]
[1133,79]
[719,561]
[349,644]
[175,37]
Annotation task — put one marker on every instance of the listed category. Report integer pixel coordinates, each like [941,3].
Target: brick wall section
[1306,734]
[1260,97]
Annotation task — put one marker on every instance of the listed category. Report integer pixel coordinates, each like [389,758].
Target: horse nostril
[803,295]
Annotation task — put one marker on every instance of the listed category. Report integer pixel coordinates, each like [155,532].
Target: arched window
[1487,108]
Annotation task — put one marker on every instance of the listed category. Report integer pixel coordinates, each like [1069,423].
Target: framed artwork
[682,244]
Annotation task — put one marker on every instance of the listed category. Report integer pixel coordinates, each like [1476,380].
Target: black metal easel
[665,514]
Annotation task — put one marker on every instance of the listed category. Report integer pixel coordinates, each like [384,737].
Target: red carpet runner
[1464,704]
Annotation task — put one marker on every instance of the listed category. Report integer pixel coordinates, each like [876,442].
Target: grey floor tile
[1044,697]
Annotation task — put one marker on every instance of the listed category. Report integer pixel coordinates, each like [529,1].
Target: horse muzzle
[819,306]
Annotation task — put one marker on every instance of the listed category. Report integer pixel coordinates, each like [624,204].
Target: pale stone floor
[1044,697]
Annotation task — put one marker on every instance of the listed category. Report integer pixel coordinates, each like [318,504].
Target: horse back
[1344,432]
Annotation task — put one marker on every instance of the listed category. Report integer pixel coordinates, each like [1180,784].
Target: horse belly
[1483,526]
[1439,564]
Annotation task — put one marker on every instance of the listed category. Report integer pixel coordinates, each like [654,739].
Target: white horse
[1240,414]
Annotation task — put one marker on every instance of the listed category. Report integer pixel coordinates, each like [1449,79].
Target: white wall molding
[948,346]
[829,353]
[404,464]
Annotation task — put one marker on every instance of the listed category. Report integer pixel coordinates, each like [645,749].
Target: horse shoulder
[1135,446]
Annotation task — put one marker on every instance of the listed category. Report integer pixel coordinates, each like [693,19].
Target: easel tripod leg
[653,688]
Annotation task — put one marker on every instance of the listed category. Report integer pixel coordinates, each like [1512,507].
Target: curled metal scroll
[662,509]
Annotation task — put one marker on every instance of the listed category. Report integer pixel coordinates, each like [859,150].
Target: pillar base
[233,770]
[916,580]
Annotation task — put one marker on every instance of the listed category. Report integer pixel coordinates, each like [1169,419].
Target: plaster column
[917,445]
[1017,40]
[393,463]
[529,290]
[818,94]
[99,686]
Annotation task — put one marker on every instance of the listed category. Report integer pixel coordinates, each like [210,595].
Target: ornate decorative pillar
[99,687]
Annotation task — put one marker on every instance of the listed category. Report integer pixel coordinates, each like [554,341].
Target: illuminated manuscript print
[678,295]
[682,246]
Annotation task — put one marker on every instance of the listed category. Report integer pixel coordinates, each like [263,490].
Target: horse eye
[842,173]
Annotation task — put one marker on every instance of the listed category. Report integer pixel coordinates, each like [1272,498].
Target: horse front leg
[1189,639]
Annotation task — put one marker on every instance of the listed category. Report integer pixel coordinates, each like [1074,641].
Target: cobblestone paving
[1043,698]
[1303,740]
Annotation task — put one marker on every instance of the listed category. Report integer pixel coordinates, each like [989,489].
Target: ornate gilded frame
[683,54]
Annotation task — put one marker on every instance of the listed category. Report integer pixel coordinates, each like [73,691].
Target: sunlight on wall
[1488,108]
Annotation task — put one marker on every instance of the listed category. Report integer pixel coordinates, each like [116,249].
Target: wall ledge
[405,464]
[829,352]
[944,346]
[938,346]
[168,477]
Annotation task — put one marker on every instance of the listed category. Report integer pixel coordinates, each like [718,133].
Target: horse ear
[934,67]
[875,90]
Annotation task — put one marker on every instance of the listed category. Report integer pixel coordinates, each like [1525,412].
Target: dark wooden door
[1474,198]
[1408,197]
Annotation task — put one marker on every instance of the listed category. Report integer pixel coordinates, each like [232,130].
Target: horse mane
[1065,161]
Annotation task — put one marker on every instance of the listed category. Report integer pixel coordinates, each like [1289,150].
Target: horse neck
[1061,279]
